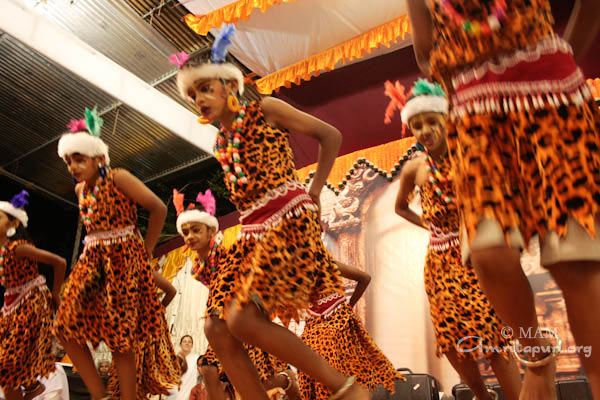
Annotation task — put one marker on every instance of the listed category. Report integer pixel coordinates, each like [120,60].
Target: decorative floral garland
[88,201]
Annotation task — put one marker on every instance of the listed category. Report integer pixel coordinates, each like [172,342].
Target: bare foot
[29,394]
[539,383]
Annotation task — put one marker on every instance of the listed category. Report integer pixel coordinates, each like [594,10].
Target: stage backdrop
[363,230]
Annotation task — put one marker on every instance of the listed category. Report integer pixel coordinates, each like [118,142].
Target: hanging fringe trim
[527,80]
[546,46]
[326,306]
[440,240]
[107,238]
[15,296]
[280,191]
[293,208]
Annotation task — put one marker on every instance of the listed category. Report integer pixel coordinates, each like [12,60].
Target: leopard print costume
[463,319]
[221,284]
[110,295]
[532,163]
[286,266]
[345,344]
[25,324]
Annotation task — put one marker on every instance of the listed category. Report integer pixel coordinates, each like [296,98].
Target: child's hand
[149,253]
[316,198]
[56,298]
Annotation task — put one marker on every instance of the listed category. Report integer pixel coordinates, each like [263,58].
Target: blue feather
[219,48]
[20,200]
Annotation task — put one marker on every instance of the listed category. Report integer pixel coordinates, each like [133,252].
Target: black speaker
[416,387]
[462,391]
[567,389]
[574,389]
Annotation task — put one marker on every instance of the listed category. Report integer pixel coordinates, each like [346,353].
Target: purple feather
[20,200]
[219,48]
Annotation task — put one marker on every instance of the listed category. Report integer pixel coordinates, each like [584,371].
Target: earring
[233,103]
[11,232]
[203,121]
[102,170]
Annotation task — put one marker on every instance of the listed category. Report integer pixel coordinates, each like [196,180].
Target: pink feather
[208,201]
[77,125]
[179,58]
[398,98]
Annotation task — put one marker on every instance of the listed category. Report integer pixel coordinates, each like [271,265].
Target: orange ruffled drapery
[595,85]
[231,13]
[326,60]
[384,157]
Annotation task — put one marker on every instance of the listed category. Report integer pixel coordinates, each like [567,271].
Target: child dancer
[26,317]
[335,332]
[464,322]
[523,140]
[283,263]
[110,294]
[200,230]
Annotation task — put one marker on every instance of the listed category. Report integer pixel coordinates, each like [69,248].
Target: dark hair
[184,336]
[21,233]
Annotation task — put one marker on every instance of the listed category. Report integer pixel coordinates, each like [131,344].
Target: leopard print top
[527,21]
[267,158]
[18,271]
[113,209]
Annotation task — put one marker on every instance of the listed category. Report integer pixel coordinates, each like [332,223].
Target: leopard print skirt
[287,268]
[530,170]
[463,319]
[110,296]
[157,366]
[26,341]
[344,343]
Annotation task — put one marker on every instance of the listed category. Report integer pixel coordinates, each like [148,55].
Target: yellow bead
[475,28]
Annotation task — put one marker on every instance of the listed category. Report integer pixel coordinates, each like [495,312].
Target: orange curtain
[347,51]
[231,13]
[384,157]
[595,85]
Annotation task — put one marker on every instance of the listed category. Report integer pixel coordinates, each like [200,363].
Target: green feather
[424,87]
[93,121]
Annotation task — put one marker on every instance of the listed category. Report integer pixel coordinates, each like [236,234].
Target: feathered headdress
[84,137]
[217,68]
[194,215]
[424,97]
[16,207]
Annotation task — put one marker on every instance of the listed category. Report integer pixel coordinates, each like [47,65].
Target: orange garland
[326,60]
[595,86]
[231,13]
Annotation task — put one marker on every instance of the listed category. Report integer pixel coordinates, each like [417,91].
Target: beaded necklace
[88,200]
[199,267]
[435,177]
[476,28]
[2,273]
[227,149]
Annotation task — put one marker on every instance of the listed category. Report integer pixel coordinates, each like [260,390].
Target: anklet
[289,380]
[544,360]
[341,391]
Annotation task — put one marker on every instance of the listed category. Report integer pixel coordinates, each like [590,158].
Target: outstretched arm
[361,277]
[166,286]
[407,185]
[283,115]
[135,189]
[421,31]
[58,264]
